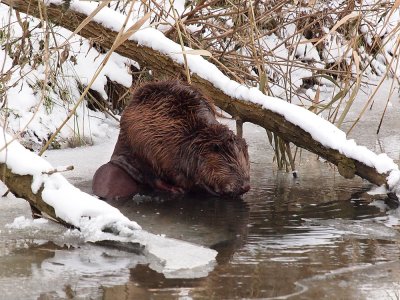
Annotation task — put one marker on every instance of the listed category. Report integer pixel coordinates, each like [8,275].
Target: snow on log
[150,48]
[31,177]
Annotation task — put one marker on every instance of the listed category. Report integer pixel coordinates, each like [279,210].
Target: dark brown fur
[170,140]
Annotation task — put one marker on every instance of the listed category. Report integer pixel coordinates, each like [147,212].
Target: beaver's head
[219,161]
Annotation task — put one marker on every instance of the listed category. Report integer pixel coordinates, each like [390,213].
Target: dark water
[288,238]
[315,237]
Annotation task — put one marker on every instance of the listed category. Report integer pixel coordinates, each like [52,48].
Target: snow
[98,220]
[23,222]
[187,263]
[35,112]
[306,51]
[321,130]
[30,118]
[171,257]
[70,204]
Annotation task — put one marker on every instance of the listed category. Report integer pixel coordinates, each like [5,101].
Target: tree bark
[20,186]
[164,67]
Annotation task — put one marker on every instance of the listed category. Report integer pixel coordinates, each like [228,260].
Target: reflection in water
[21,261]
[217,223]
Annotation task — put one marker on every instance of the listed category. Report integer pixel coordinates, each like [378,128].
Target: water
[315,237]
[286,239]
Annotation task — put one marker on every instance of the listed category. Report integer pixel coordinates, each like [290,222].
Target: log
[20,186]
[164,66]
[32,178]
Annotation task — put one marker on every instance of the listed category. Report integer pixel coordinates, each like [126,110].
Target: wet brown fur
[170,141]
[173,128]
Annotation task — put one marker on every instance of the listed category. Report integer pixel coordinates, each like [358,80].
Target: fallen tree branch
[164,66]
[27,176]
[21,186]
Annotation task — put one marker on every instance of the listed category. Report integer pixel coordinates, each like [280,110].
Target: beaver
[170,141]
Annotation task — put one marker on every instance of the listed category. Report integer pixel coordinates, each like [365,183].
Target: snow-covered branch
[30,177]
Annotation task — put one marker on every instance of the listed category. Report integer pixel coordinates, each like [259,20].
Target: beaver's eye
[216,148]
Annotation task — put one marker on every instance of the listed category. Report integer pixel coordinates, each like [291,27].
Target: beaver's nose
[245,188]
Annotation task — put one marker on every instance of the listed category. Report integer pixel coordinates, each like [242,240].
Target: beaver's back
[175,100]
[161,117]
